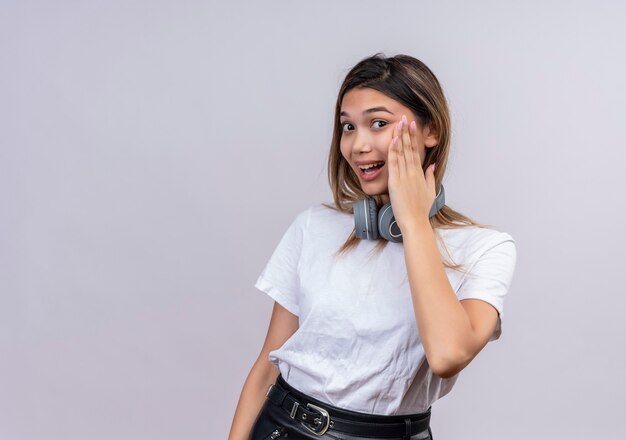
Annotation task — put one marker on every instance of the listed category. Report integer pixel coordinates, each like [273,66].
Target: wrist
[416,226]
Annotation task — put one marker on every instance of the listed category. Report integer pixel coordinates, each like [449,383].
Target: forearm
[443,324]
[251,401]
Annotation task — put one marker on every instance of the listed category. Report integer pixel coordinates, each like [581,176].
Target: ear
[430,137]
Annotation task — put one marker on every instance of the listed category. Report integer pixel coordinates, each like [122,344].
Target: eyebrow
[369,110]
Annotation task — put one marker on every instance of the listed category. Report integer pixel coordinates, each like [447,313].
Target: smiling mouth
[371,173]
[371,169]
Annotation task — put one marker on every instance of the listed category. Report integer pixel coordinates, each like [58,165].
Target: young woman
[377,310]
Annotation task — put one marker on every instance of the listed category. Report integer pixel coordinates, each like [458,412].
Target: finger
[398,134]
[392,158]
[406,136]
[401,152]
[408,146]
[400,147]
[417,160]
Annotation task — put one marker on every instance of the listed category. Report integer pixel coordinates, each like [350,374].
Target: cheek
[386,154]
[344,151]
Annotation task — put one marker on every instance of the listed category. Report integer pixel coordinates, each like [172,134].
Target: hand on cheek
[411,192]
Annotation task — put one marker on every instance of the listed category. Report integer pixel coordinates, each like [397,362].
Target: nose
[362,143]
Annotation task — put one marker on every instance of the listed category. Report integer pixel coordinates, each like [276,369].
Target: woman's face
[368,119]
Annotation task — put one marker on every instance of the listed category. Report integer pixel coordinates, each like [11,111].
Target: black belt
[318,418]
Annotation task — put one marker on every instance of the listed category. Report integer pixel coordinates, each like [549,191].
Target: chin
[376,192]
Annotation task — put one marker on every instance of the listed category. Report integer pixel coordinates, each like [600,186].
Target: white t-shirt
[358,346]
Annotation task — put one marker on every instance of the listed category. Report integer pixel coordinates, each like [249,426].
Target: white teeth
[365,167]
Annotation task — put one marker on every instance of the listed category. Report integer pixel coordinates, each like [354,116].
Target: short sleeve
[279,279]
[490,277]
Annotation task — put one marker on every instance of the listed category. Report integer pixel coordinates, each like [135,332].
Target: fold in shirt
[358,345]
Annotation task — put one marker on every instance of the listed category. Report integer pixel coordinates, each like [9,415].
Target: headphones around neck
[370,222]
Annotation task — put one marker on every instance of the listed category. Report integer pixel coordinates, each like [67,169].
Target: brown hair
[410,82]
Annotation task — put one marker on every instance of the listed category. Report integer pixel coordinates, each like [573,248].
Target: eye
[348,123]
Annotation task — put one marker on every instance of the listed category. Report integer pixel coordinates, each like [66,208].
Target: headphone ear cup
[387,226]
[365,218]
[440,200]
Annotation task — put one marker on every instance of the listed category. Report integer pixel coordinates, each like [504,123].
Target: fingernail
[404,119]
[413,125]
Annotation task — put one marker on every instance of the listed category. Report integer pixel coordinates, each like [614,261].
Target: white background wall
[152,153]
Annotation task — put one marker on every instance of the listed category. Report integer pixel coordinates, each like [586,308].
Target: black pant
[274,422]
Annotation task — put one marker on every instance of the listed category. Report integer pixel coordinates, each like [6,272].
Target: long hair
[410,82]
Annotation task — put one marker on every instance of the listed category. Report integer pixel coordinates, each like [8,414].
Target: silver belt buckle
[317,420]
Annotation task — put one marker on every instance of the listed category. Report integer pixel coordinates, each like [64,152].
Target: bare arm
[263,373]
[453,332]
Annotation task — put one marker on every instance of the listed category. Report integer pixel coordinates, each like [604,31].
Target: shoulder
[312,215]
[320,223]
[324,214]
[474,240]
